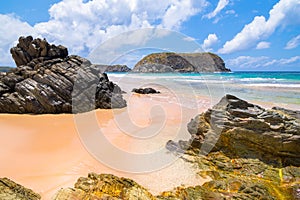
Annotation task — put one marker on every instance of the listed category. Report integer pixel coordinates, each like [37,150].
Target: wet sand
[45,153]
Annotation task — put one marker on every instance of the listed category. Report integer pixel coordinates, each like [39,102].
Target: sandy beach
[45,153]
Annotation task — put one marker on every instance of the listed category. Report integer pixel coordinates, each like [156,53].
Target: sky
[248,35]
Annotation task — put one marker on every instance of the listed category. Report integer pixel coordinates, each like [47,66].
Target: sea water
[266,88]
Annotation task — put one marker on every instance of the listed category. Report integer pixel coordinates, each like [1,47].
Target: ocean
[265,88]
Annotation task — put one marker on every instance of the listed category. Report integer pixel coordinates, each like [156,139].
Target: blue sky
[248,35]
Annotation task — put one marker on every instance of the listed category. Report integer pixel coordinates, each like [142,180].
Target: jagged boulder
[28,49]
[242,129]
[48,81]
[10,190]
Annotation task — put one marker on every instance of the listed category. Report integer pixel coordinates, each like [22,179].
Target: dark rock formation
[45,84]
[145,91]
[241,129]
[113,68]
[181,62]
[104,186]
[10,190]
[28,49]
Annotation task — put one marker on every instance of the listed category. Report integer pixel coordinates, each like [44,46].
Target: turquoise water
[271,88]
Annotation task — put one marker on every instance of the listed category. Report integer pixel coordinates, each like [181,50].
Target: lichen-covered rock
[104,186]
[181,62]
[242,129]
[10,190]
[48,81]
[163,62]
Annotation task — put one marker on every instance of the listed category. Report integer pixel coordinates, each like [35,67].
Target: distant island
[113,68]
[5,69]
[181,62]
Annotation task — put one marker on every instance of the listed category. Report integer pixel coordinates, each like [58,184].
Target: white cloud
[221,5]
[283,13]
[293,43]
[189,39]
[263,45]
[283,61]
[82,25]
[179,11]
[10,30]
[249,62]
[209,42]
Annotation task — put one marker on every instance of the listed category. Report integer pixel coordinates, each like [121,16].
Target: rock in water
[181,62]
[44,80]
[145,91]
[242,129]
[10,190]
[104,186]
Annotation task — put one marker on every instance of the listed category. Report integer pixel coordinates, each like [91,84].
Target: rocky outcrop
[238,178]
[242,129]
[180,62]
[145,91]
[113,68]
[45,78]
[104,186]
[10,190]
[28,49]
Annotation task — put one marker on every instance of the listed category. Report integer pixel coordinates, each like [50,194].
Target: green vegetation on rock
[181,62]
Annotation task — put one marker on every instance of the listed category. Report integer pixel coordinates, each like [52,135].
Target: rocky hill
[44,79]
[113,68]
[181,62]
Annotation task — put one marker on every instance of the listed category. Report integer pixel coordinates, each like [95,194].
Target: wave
[276,85]
[261,79]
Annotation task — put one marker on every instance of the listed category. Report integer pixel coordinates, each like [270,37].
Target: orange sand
[45,153]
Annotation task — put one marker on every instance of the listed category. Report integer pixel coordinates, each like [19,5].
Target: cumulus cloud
[283,61]
[263,45]
[180,11]
[209,42]
[249,62]
[283,13]
[221,5]
[82,25]
[10,30]
[293,43]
